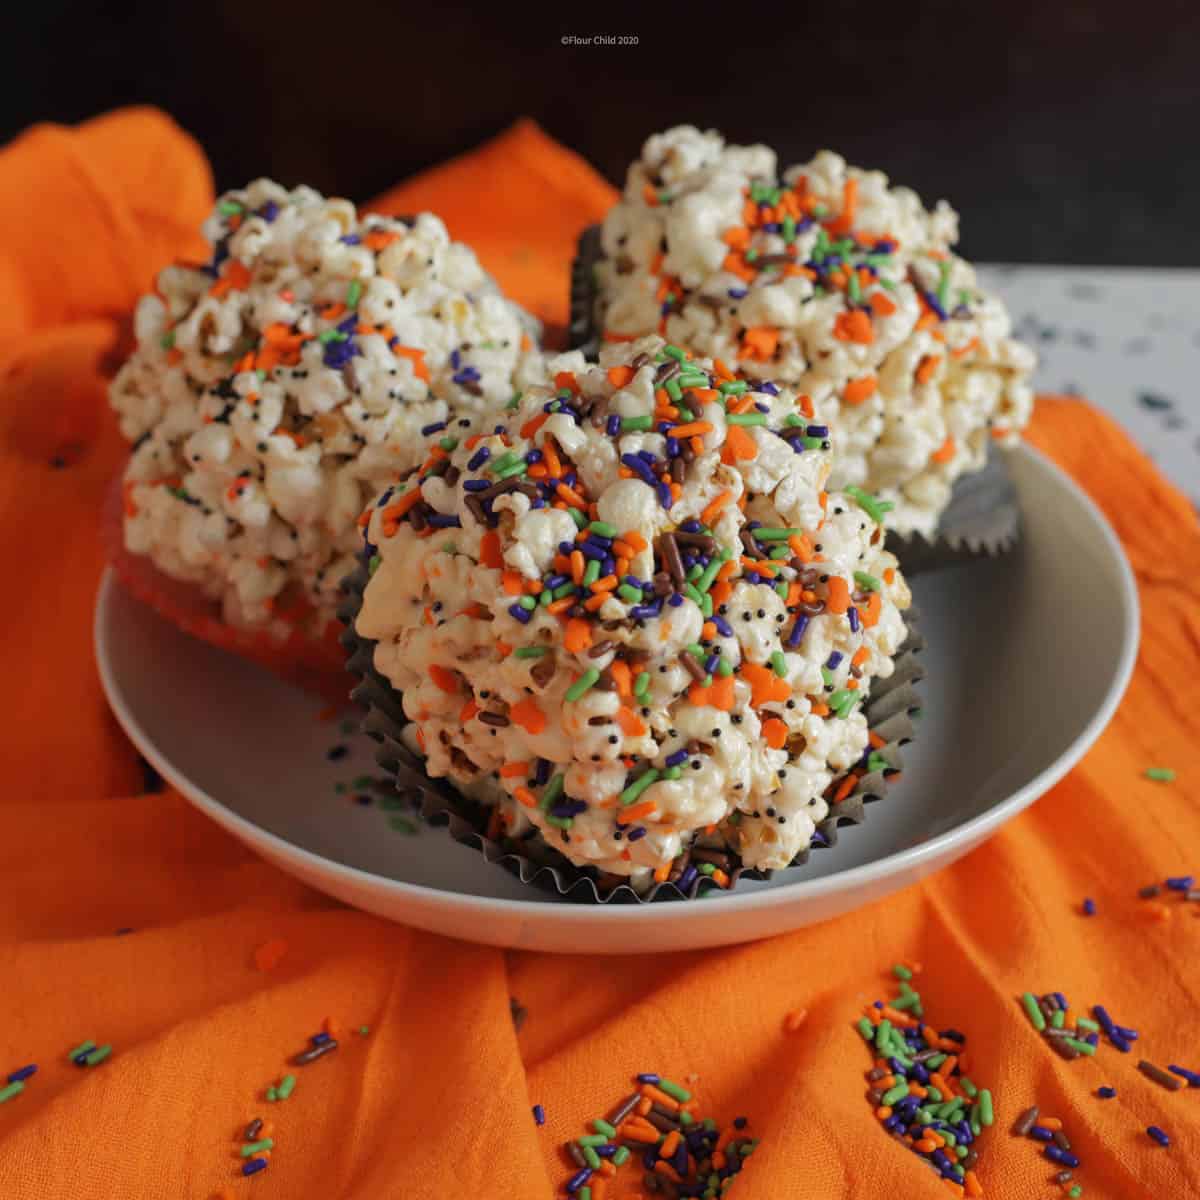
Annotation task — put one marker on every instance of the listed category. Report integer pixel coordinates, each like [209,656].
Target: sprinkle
[539,1115]
[674,1091]
[1158,1135]
[1160,774]
[15,1088]
[254,1166]
[1105,1092]
[1063,1157]
[875,508]
[1089,907]
[97,1056]
[1171,1082]
[1192,1077]
[252,1148]
[287,1084]
[1025,1122]
[583,684]
[19,1076]
[80,1050]
[1037,1020]
[314,1052]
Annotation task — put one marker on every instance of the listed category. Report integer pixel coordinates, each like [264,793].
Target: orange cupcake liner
[316,664]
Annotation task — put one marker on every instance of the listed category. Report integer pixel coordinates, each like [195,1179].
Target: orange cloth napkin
[435,1102]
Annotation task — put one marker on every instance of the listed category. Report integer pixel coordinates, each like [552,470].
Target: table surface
[1126,338]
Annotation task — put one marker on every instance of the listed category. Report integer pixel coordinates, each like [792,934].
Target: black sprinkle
[1155,401]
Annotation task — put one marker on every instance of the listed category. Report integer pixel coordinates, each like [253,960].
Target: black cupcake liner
[982,520]
[890,712]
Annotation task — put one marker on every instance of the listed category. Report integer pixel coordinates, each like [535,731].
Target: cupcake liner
[317,665]
[890,712]
[983,517]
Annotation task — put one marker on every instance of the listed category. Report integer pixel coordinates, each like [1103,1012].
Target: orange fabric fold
[435,1100]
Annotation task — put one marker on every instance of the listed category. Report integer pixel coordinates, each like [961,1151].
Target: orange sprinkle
[692,428]
[526,797]
[845,221]
[607,584]
[631,724]
[566,379]
[926,367]
[570,496]
[270,954]
[514,770]
[416,357]
[854,326]
[882,304]
[714,506]
[838,596]
[718,695]
[528,715]
[971,1183]
[860,389]
[871,612]
[945,452]
[557,607]
[468,711]
[535,423]
[739,445]
[578,635]
[593,603]
[765,686]
[759,343]
[849,783]
[620,377]
[489,550]
[443,678]
[669,1143]
[1050,1122]
[512,583]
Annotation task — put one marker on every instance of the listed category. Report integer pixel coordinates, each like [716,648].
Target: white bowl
[1027,658]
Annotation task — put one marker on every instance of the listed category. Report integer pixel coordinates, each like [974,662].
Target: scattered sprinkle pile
[919,1086]
[1056,1146]
[1079,1038]
[683,1155]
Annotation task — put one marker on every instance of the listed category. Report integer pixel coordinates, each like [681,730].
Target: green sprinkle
[450,547]
[705,579]
[853,288]
[943,291]
[706,605]
[866,1029]
[779,663]
[813,443]
[167,341]
[592,1139]
[685,1118]
[272,1095]
[691,592]
[402,825]
[775,533]
[789,229]
[229,208]
[551,792]
[986,1116]
[1086,1024]
[559,822]
[674,1091]
[706,868]
[531,651]
[724,668]
[628,592]
[516,400]
[1036,1019]
[505,461]
[330,335]
[843,701]
[641,685]
[750,418]
[1160,774]
[528,603]
[893,1094]
[693,379]
[563,590]
[934,1094]
[593,1159]
[1076,1044]
[636,423]
[508,472]
[13,1089]
[591,572]
[287,1085]
[889,285]
[353,294]
[1076,1190]
[578,516]
[967,1086]
[867,582]
[634,790]
[1059,1019]
[98,1056]
[585,1192]
[252,1148]
[871,505]
[621,1157]
[583,684]
[733,387]
[448,443]
[675,352]
[603,529]
[672,773]
[82,1048]
[934,1061]
[902,972]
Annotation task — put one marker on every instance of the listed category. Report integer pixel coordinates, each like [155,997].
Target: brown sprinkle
[1025,1122]
[1171,1082]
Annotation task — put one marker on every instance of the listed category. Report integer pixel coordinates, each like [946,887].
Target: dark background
[1062,132]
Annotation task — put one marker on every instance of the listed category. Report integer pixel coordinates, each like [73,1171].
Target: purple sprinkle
[917,1071]
[532,456]
[737,293]
[444,521]
[1192,1077]
[680,1159]
[820,431]
[1041,1134]
[673,447]
[348,324]
[476,485]
[269,211]
[24,1073]
[566,547]
[455,359]
[1063,1157]
[710,663]
[538,503]
[634,581]
[571,809]
[579,1179]
[637,832]
[1119,1042]
[648,1077]
[687,878]
[605,1151]
[768,387]
[523,615]
[350,239]
[1181,883]
[254,1166]
[932,301]
[723,626]
[428,429]
[1107,1093]
[674,599]
[1130,1035]
[852,615]
[641,612]
[673,760]
[613,426]
[478,458]
[542,771]
[639,468]
[762,408]
[591,550]
[834,659]
[556,581]
[338,354]
[539,1115]
[798,630]
[647,457]
[466,375]
[319,1039]
[1159,1135]
[664,495]
[1089,907]
[1092,1039]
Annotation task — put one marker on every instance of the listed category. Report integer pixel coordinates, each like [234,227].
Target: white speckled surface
[1127,338]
